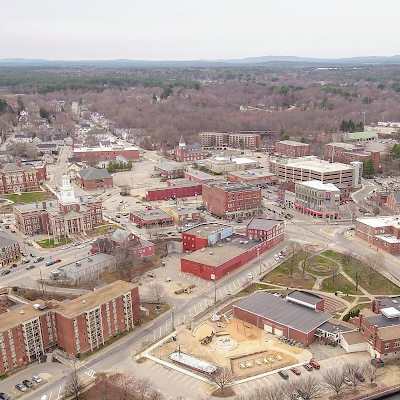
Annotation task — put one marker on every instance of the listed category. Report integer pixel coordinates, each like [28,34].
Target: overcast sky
[191,30]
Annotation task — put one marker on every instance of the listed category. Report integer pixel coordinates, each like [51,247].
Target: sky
[193,30]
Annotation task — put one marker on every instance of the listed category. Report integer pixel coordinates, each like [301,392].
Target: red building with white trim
[189,152]
[17,177]
[130,153]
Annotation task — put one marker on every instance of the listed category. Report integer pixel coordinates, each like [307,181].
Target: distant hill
[250,61]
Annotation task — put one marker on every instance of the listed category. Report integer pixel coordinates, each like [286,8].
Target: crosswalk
[90,372]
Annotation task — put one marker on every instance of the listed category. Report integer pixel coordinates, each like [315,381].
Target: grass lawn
[320,260]
[341,284]
[29,197]
[333,254]
[103,229]
[280,276]
[380,285]
[46,244]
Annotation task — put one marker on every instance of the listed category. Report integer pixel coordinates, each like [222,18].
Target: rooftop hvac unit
[211,253]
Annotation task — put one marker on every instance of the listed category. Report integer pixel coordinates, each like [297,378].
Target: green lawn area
[333,254]
[340,284]
[280,276]
[46,244]
[29,197]
[320,260]
[380,285]
[103,229]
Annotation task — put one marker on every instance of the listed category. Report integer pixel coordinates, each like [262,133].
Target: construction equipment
[207,339]
[187,289]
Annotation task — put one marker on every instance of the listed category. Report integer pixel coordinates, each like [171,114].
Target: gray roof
[94,173]
[382,322]
[231,186]
[309,298]
[390,302]
[169,166]
[396,196]
[200,174]
[47,145]
[120,235]
[262,224]
[14,167]
[194,148]
[335,328]
[283,312]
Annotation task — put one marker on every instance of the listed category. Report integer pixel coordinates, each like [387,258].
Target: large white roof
[319,185]
[376,222]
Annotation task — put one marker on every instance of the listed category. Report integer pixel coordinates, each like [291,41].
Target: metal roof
[94,173]
[283,312]
[262,224]
[309,298]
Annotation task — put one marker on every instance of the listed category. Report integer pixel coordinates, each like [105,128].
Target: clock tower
[67,195]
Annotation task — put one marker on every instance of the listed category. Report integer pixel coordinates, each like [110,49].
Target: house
[94,178]
[47,147]
[266,229]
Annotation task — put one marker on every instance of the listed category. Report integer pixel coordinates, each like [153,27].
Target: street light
[215,287]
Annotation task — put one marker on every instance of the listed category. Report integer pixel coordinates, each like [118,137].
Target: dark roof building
[94,178]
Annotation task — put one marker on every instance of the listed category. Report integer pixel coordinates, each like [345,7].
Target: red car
[314,364]
[57,261]
[295,371]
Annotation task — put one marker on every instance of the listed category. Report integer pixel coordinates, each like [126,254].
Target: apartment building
[311,168]
[247,140]
[232,200]
[317,199]
[291,148]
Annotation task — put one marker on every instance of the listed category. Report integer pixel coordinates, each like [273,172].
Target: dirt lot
[5,303]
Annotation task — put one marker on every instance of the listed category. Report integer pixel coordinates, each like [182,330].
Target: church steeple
[182,142]
[67,195]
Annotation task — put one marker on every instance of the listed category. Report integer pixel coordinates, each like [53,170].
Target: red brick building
[21,177]
[257,176]
[184,214]
[291,148]
[382,232]
[189,152]
[393,203]
[182,189]
[138,248]
[9,250]
[130,153]
[266,229]
[94,178]
[232,200]
[199,176]
[248,140]
[170,170]
[297,317]
[348,152]
[62,217]
[152,218]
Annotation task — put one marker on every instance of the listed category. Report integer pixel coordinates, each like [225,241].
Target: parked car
[25,261]
[347,381]
[359,376]
[48,263]
[13,231]
[283,374]
[30,266]
[239,221]
[295,371]
[57,261]
[14,266]
[249,276]
[314,364]
[5,272]
[276,257]
[27,383]
[32,255]
[39,259]
[4,396]
[21,387]
[37,378]
[308,367]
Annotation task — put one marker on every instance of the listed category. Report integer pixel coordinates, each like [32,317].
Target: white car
[249,276]
[276,257]
[81,246]
[37,378]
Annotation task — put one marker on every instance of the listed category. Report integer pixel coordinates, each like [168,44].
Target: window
[386,346]
[396,344]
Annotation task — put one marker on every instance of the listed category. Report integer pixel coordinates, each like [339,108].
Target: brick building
[317,199]
[21,177]
[170,170]
[266,229]
[199,176]
[256,176]
[392,203]
[94,178]
[175,190]
[221,165]
[232,200]
[247,140]
[152,218]
[382,232]
[62,217]
[92,154]
[189,152]
[9,250]
[78,326]
[291,148]
[183,214]
[348,152]
[311,168]
[297,317]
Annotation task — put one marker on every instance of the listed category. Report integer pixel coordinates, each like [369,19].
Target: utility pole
[172,319]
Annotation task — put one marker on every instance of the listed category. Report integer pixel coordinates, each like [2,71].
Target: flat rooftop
[92,299]
[231,186]
[318,185]
[104,148]
[376,222]
[248,173]
[313,163]
[293,143]
[382,322]
[262,224]
[183,210]
[200,175]
[207,229]
[169,166]
[155,213]
[283,312]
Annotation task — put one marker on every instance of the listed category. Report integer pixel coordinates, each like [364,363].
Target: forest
[168,102]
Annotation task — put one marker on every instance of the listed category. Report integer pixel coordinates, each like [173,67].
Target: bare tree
[351,370]
[335,270]
[223,378]
[157,290]
[333,379]
[358,270]
[309,387]
[144,387]
[371,372]
[374,263]
[271,392]
[293,250]
[74,387]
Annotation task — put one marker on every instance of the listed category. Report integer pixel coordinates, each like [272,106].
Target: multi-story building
[81,325]
[317,199]
[189,152]
[311,168]
[94,178]
[21,177]
[291,148]
[256,176]
[232,200]
[152,217]
[223,164]
[392,203]
[248,140]
[62,217]
[183,214]
[199,176]
[175,189]
[348,152]
[9,250]
[382,232]
[266,230]
[170,170]
[91,154]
